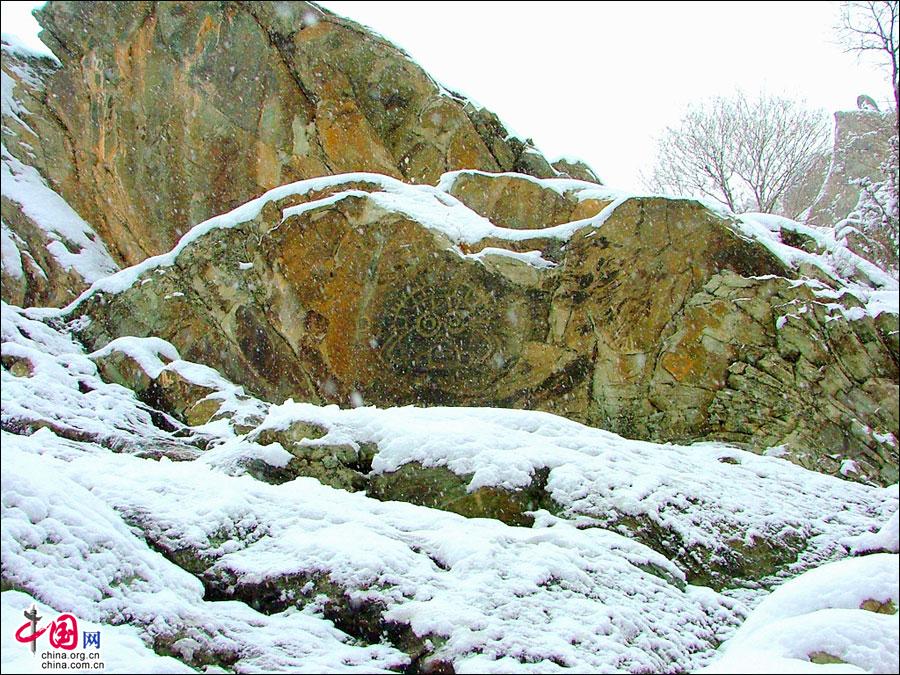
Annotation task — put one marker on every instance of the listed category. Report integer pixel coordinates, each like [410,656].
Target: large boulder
[522,202]
[161,115]
[657,319]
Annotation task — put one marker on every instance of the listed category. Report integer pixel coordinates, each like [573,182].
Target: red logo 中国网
[63,631]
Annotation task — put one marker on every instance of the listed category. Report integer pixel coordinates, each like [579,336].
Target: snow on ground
[706,496]
[73,552]
[64,391]
[10,256]
[887,538]
[9,104]
[78,520]
[122,649]
[553,594]
[820,615]
[151,354]
[543,596]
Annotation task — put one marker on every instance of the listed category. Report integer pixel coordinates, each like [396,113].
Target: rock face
[861,143]
[162,115]
[859,194]
[521,202]
[666,322]
[50,254]
[575,168]
[453,268]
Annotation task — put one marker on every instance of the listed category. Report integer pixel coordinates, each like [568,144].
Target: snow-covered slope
[841,613]
[97,525]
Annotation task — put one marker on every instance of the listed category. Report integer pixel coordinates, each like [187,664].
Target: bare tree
[746,154]
[871,26]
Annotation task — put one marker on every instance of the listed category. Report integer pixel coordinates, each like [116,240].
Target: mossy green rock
[438,487]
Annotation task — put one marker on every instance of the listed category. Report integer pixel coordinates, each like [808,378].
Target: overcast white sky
[601,81]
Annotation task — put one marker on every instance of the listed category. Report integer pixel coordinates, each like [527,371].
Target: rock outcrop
[50,254]
[667,323]
[657,319]
[162,115]
[859,194]
[170,439]
[861,144]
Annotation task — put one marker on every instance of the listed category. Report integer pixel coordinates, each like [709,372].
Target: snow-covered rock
[840,613]
[96,527]
[365,287]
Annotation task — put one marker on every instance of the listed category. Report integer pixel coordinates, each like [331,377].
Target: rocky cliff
[221,219]
[659,327]
[161,115]
[861,144]
[653,318]
[858,196]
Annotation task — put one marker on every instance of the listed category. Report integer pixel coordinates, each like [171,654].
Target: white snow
[9,104]
[565,593]
[532,595]
[14,45]
[72,242]
[848,467]
[876,289]
[155,356]
[845,584]
[51,395]
[598,474]
[80,502]
[887,538]
[147,352]
[532,258]
[11,260]
[121,648]
[820,612]
[78,555]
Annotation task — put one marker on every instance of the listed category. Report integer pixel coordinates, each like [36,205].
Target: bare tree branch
[745,154]
[873,26]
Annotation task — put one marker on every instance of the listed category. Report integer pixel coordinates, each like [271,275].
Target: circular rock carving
[441,327]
